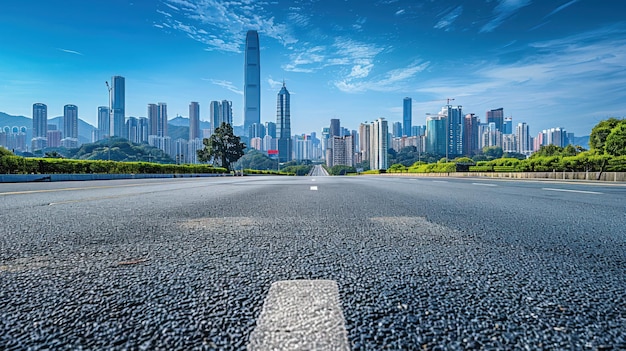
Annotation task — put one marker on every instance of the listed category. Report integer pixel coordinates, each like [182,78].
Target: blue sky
[548,63]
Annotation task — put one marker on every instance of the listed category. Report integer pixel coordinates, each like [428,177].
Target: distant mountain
[184,122]
[84,128]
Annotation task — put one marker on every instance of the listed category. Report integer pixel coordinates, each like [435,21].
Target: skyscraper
[70,121]
[252,81]
[161,119]
[379,144]
[436,135]
[40,126]
[470,135]
[153,112]
[194,120]
[364,141]
[407,116]
[40,120]
[118,105]
[283,125]
[104,122]
[221,112]
[335,128]
[454,117]
[523,139]
[397,129]
[496,116]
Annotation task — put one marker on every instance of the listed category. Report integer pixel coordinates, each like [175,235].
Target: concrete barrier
[604,176]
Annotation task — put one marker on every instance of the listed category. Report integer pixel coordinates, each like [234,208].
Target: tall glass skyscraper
[379,145]
[455,130]
[104,122]
[252,82]
[194,120]
[70,121]
[161,119]
[283,125]
[407,116]
[40,120]
[118,105]
[496,116]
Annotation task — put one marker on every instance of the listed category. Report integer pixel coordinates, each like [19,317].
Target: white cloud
[400,12]
[504,10]
[71,52]
[449,19]
[225,84]
[202,19]
[391,81]
[274,84]
[561,8]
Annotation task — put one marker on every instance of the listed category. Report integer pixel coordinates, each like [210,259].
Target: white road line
[573,191]
[314,187]
[440,181]
[313,179]
[301,315]
[483,184]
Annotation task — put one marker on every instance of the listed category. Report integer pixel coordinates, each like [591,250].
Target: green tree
[600,132]
[5,152]
[223,147]
[616,141]
[493,152]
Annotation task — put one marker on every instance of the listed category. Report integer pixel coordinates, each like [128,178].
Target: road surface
[407,263]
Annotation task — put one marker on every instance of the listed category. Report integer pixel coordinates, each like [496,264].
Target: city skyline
[540,61]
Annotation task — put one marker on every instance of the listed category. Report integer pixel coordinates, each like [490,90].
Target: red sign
[272,152]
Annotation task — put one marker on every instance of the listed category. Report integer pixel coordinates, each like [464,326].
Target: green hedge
[23,165]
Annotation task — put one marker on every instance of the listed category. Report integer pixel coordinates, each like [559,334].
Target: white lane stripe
[313,180]
[301,315]
[440,181]
[483,184]
[573,191]
[314,187]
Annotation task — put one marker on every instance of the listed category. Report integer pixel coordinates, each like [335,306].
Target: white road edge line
[314,187]
[440,181]
[573,191]
[301,315]
[484,184]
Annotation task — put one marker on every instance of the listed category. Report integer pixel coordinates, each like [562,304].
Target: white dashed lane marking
[573,191]
[483,184]
[301,315]
[314,187]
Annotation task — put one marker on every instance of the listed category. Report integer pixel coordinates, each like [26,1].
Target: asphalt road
[421,263]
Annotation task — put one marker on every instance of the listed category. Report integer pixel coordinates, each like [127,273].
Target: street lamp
[109,133]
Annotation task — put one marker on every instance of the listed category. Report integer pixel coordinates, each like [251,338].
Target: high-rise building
[40,126]
[256,131]
[270,129]
[364,141]
[252,81]
[153,119]
[70,121]
[454,138]
[161,119]
[524,145]
[507,127]
[335,128]
[132,130]
[144,129]
[283,125]
[496,116]
[470,135]
[40,120]
[118,106]
[436,135]
[194,120]
[379,144]
[104,122]
[220,112]
[342,151]
[397,129]
[407,116]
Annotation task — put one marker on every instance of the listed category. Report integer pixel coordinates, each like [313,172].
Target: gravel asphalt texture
[420,264]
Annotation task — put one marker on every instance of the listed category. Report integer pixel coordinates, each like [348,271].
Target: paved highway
[401,263]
